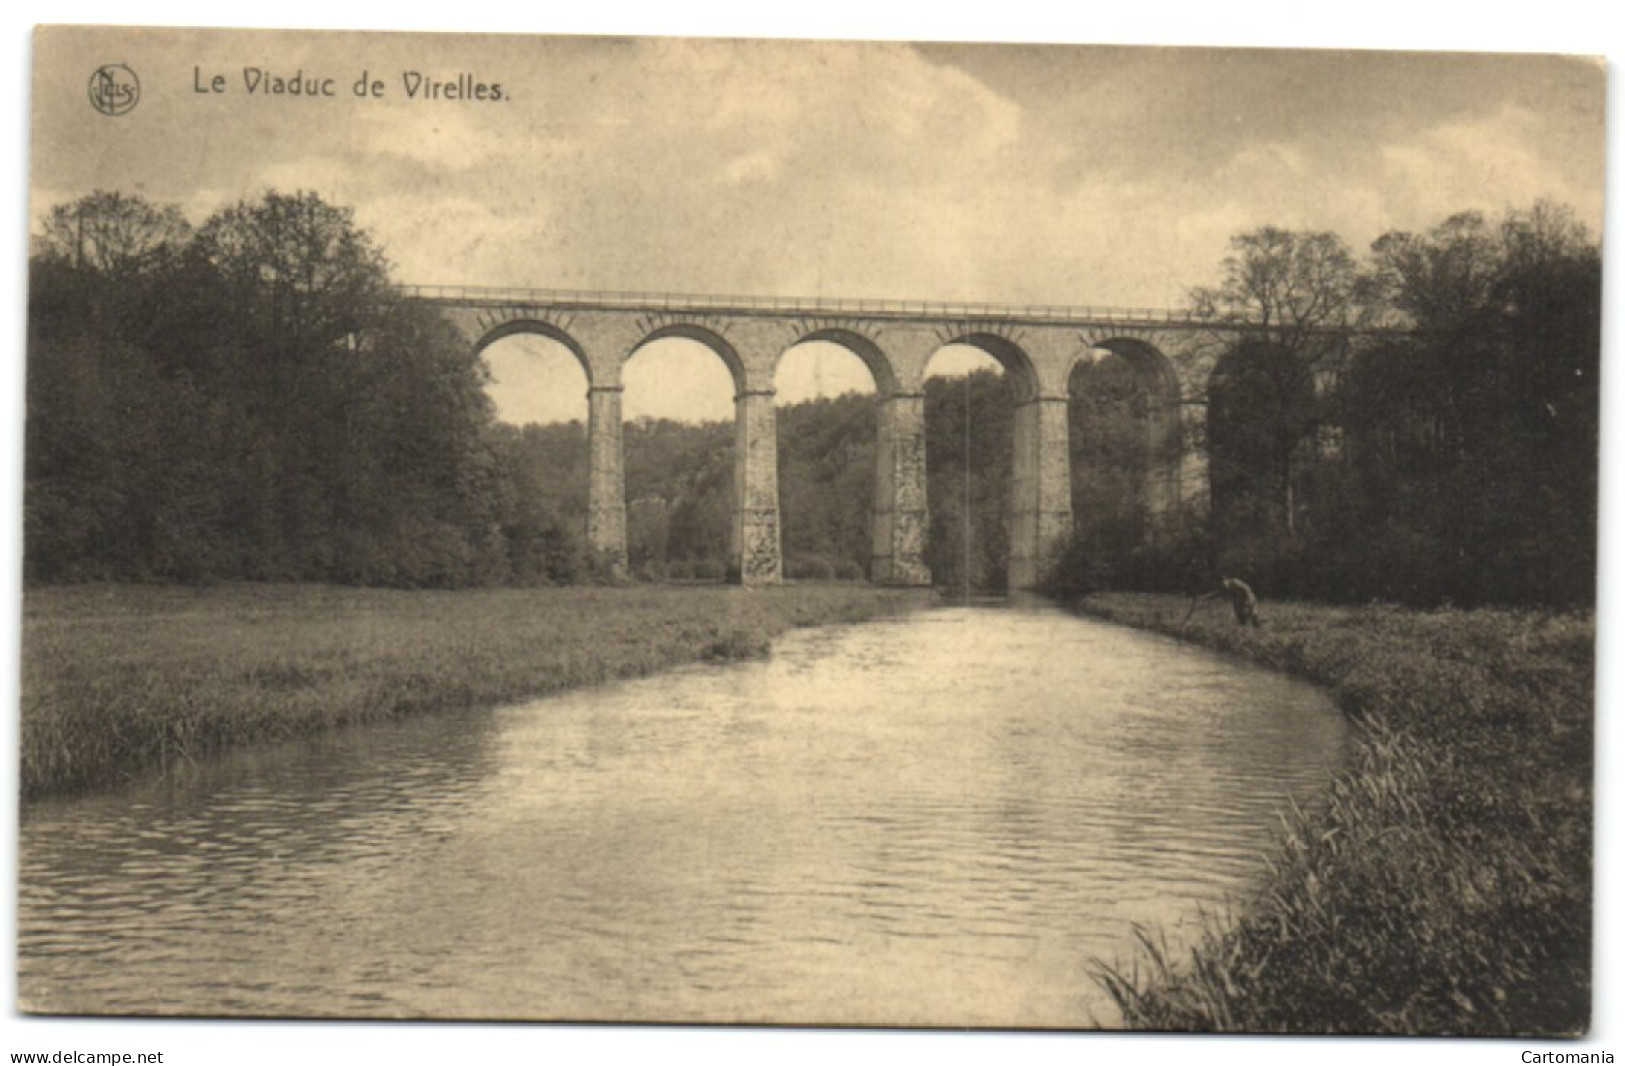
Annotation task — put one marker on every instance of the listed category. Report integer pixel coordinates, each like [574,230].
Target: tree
[110,437]
[294,274]
[1449,456]
[105,262]
[1111,455]
[1477,435]
[1288,289]
[826,483]
[1446,277]
[113,234]
[541,491]
[251,401]
[1281,315]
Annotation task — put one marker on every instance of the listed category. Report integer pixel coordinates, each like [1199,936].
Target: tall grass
[1444,886]
[117,680]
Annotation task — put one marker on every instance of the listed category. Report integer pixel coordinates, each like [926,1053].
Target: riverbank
[119,680]
[1445,885]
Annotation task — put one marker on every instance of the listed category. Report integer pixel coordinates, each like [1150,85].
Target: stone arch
[754,554]
[866,348]
[1154,449]
[605,519]
[1261,410]
[1154,369]
[1275,390]
[1005,348]
[682,511]
[1251,353]
[701,333]
[1037,509]
[869,540]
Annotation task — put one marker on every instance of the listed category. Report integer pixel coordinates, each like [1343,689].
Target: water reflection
[938,820]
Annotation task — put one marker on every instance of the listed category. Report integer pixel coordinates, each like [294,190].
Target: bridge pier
[900,520]
[755,557]
[1040,489]
[606,481]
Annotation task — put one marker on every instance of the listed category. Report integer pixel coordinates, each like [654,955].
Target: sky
[1040,174]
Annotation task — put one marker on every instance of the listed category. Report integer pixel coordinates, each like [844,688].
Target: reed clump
[1445,883]
[119,680]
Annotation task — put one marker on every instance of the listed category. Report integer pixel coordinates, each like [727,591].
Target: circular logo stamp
[114,89]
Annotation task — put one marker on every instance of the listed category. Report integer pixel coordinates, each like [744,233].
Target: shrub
[809,568]
[849,570]
[709,570]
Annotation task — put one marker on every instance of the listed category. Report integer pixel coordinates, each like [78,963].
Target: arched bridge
[1039,347]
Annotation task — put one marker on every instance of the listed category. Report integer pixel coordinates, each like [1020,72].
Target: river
[942,819]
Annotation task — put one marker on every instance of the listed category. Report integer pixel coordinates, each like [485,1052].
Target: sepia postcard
[810,533]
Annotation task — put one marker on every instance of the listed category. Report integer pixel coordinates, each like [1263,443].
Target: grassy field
[1445,886]
[118,680]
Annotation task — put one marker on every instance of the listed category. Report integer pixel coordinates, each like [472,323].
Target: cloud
[1490,163]
[757,166]
[760,166]
[452,140]
[1105,177]
[1109,176]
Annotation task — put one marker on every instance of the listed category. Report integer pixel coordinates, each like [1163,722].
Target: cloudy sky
[1020,174]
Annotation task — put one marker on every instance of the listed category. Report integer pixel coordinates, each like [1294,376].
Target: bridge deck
[467,295]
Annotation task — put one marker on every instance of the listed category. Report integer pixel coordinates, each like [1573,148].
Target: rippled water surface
[939,820]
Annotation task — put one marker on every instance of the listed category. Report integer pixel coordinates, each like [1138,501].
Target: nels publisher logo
[114,89]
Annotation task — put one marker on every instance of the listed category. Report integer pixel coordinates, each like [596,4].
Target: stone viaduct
[1039,347]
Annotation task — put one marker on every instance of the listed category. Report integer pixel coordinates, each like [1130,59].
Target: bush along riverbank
[1445,884]
[118,680]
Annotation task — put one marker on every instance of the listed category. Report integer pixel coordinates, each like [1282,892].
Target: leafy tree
[690,468]
[1281,312]
[542,497]
[1450,457]
[1288,289]
[1475,438]
[247,401]
[113,234]
[826,484]
[1110,452]
[1446,277]
[107,433]
[294,274]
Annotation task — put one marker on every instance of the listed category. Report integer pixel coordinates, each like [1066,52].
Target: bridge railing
[676,301]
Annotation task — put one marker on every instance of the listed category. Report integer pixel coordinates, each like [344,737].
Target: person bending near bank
[1242,601]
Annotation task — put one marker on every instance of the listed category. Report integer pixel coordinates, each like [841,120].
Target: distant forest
[243,400]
